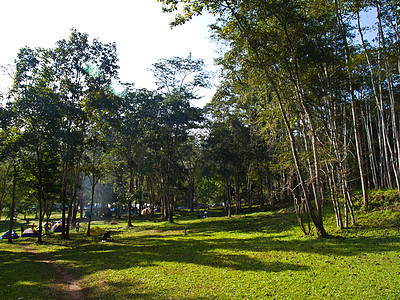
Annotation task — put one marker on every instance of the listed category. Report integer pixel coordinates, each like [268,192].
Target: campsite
[137,161]
[254,255]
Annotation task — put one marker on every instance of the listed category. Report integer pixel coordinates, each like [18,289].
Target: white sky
[138,27]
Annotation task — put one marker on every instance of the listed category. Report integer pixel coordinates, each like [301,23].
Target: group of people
[33,228]
[29,232]
[203,214]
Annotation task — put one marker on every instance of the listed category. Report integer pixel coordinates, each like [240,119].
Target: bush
[379,199]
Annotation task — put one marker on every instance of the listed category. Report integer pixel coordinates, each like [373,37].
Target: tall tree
[178,79]
[135,133]
[38,109]
[85,71]
[10,141]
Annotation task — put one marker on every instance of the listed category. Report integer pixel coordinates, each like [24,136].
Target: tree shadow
[22,275]
[204,246]
[273,222]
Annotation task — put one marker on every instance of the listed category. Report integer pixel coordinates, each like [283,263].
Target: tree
[84,72]
[178,79]
[135,131]
[280,41]
[9,156]
[181,74]
[38,109]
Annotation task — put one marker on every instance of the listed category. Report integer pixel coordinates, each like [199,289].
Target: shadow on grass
[22,276]
[265,242]
[231,253]
[112,290]
[204,245]
[257,222]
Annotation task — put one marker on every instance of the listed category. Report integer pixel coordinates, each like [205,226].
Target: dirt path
[66,286]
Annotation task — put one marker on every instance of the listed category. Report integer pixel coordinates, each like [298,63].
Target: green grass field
[257,255]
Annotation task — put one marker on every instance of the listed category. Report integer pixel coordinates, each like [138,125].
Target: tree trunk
[94,182]
[64,199]
[352,101]
[249,188]
[334,197]
[389,80]
[236,190]
[71,203]
[12,210]
[40,192]
[260,189]
[192,191]
[228,196]
[318,223]
[171,209]
[130,195]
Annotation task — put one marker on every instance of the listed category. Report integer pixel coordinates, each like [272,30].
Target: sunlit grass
[260,255]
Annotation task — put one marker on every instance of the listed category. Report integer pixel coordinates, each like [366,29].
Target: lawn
[257,255]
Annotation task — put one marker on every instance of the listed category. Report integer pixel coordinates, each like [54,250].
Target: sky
[139,28]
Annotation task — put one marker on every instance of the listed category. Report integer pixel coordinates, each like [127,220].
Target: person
[106,236]
[47,226]
[205,214]
[22,229]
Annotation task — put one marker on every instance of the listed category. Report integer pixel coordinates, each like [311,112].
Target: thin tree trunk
[249,188]
[352,102]
[260,189]
[94,182]
[64,199]
[334,196]
[236,189]
[384,140]
[40,192]
[389,79]
[228,196]
[371,147]
[316,220]
[191,192]
[12,210]
[130,195]
[72,200]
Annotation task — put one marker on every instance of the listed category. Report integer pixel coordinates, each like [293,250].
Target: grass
[259,255]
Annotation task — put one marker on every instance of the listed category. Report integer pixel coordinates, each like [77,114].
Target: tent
[5,235]
[47,226]
[57,227]
[146,211]
[95,230]
[29,233]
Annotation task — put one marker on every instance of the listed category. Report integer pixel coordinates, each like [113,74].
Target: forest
[305,115]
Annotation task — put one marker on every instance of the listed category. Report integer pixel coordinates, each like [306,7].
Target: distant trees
[178,80]
[135,137]
[73,124]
